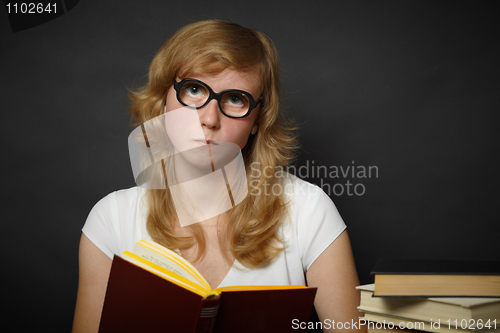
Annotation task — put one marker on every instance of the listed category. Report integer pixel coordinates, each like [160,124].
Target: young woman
[284,231]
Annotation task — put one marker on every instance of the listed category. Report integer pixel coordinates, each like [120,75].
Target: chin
[198,158]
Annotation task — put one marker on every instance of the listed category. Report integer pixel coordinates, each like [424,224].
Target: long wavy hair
[210,46]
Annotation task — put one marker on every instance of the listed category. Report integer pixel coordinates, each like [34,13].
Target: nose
[210,115]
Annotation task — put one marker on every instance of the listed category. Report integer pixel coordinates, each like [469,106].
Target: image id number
[31,8]
[472,324]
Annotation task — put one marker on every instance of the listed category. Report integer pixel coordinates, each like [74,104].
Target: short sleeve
[101,226]
[318,222]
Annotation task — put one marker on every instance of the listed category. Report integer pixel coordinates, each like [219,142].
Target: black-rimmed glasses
[233,103]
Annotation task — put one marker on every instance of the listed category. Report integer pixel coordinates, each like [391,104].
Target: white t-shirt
[118,221]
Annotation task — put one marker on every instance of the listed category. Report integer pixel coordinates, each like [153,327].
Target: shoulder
[119,207]
[112,222]
[305,196]
[120,200]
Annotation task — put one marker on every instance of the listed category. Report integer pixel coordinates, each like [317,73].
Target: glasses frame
[217,96]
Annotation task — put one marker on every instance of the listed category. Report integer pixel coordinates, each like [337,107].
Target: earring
[255,128]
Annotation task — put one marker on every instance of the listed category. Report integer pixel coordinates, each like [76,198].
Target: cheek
[238,131]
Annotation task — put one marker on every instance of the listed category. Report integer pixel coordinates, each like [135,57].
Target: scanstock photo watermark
[433,326]
[334,180]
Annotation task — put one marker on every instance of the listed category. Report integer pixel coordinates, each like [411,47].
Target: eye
[236,99]
[193,89]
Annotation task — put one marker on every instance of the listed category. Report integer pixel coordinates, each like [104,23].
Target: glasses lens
[235,103]
[193,93]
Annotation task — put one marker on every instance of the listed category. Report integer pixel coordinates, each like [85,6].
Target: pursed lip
[206,142]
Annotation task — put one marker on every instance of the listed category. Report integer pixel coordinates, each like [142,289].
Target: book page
[176,258]
[164,273]
[167,263]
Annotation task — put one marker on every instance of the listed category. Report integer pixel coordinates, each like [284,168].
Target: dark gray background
[411,87]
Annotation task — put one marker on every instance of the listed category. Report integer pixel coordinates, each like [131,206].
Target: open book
[153,289]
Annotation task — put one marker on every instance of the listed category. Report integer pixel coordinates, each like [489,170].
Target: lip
[205,142]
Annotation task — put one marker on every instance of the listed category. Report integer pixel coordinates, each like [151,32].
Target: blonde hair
[211,46]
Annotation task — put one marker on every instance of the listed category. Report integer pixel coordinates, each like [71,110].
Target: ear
[255,128]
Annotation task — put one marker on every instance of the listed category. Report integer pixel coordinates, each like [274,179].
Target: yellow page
[165,273]
[170,260]
[246,288]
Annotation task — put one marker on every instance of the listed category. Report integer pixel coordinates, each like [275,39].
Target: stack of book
[433,296]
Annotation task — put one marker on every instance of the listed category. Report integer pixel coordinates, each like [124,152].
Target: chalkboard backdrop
[397,102]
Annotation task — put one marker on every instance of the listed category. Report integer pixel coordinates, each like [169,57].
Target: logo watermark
[359,324]
[334,180]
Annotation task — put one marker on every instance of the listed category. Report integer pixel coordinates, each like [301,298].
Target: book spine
[208,314]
